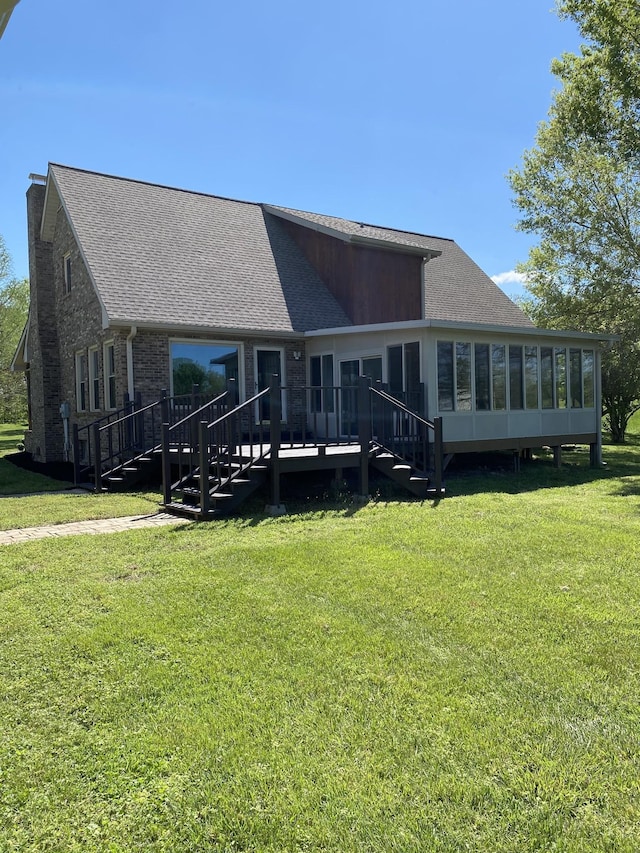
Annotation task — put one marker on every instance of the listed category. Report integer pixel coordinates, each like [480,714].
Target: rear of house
[139,289]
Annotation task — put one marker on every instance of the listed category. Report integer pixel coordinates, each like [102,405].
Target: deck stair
[230,483]
[397,469]
[141,468]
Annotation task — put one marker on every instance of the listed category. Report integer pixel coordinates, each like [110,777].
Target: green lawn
[42,508]
[396,677]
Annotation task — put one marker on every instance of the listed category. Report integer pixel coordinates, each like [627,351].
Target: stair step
[402,467]
[417,479]
[113,479]
[216,496]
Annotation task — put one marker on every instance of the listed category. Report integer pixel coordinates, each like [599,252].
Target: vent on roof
[38,179]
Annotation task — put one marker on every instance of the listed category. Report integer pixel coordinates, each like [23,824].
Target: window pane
[499,369]
[588,377]
[561,377]
[483,402]
[327,382]
[316,380]
[208,365]
[413,388]
[394,364]
[94,379]
[515,378]
[445,376]
[575,378]
[531,376]
[463,377]
[546,374]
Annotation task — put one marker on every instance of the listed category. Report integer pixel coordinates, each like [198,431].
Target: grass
[396,677]
[41,508]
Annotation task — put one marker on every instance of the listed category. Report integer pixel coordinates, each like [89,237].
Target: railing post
[76,454]
[97,463]
[364,431]
[204,468]
[194,424]
[164,407]
[138,437]
[166,465]
[275,413]
[232,393]
[437,453]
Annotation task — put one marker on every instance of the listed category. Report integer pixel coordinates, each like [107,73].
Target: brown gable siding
[370,285]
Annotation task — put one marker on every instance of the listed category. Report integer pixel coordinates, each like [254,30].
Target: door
[350,370]
[266,363]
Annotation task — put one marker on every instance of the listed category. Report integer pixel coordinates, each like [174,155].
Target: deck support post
[97,467]
[275,434]
[166,465]
[138,438]
[437,454]
[204,468]
[76,454]
[364,432]
[164,407]
[557,456]
[516,461]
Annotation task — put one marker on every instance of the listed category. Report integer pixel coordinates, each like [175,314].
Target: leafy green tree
[14,307]
[579,190]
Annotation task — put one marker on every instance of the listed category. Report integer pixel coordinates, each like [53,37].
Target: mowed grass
[396,677]
[43,506]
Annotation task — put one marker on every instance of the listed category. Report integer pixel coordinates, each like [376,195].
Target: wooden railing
[129,432]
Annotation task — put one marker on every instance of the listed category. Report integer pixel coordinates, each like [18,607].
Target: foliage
[14,307]
[402,677]
[187,373]
[579,190]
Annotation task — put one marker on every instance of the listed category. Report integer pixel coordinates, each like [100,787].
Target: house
[138,288]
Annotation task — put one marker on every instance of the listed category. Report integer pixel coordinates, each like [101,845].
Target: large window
[531,377]
[321,376]
[575,378]
[483,377]
[445,376]
[82,382]
[560,359]
[546,376]
[403,373]
[499,376]
[208,365]
[516,378]
[463,377]
[588,374]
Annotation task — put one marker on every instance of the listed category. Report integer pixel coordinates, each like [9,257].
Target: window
[560,358]
[575,378]
[516,378]
[499,377]
[588,378]
[546,377]
[109,362]
[94,379]
[531,377]
[321,376]
[463,377]
[209,365]
[483,373]
[445,376]
[82,382]
[403,374]
[66,266]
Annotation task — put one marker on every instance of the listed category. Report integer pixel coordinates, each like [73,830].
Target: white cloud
[511,277]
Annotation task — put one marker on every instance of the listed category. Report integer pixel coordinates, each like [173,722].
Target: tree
[14,307]
[579,190]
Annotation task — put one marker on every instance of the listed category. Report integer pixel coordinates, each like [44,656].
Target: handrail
[402,407]
[130,414]
[208,405]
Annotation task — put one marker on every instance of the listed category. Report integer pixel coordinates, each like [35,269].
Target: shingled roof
[170,257]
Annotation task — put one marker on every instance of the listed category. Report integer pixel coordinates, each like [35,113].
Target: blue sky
[407,114]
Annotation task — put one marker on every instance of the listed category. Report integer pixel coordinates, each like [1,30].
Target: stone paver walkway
[95,526]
